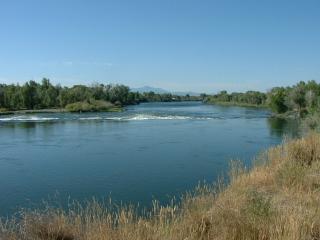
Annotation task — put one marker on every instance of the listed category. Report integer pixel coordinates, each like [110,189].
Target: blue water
[150,151]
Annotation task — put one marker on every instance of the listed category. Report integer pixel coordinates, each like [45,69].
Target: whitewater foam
[27,119]
[135,117]
[141,117]
[91,118]
[145,117]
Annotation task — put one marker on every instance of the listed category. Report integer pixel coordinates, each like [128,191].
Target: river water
[149,151]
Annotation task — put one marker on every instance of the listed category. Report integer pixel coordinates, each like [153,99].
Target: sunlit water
[150,151]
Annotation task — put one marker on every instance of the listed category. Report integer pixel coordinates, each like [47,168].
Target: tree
[203,96]
[311,100]
[30,95]
[296,98]
[276,99]
[119,93]
[48,94]
[2,92]
[98,91]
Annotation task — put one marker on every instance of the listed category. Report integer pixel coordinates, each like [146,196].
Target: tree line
[237,98]
[33,95]
[302,98]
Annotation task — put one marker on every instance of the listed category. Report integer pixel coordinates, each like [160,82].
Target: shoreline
[62,110]
[235,104]
[275,199]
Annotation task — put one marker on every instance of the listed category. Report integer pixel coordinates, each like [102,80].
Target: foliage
[90,106]
[44,95]
[302,98]
[276,100]
[253,98]
[299,100]
[167,97]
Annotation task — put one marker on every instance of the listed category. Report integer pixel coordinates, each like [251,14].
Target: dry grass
[278,199]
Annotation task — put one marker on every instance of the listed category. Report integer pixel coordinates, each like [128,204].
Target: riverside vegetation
[277,199]
[35,97]
[300,100]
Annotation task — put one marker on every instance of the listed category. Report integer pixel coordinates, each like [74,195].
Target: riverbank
[115,109]
[237,104]
[277,199]
[293,114]
[96,106]
[288,115]
[5,112]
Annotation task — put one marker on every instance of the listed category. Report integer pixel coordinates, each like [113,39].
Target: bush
[90,106]
[312,121]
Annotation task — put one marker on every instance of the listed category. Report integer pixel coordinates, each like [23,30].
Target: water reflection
[280,127]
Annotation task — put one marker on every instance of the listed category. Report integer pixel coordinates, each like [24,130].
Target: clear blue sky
[203,46]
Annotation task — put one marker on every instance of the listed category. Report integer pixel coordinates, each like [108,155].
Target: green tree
[2,94]
[48,94]
[276,99]
[119,93]
[296,98]
[30,95]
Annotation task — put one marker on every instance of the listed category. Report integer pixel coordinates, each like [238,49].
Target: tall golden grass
[279,198]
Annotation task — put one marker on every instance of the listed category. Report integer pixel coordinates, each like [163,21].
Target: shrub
[90,106]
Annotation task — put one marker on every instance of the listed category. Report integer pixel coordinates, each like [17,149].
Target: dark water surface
[150,151]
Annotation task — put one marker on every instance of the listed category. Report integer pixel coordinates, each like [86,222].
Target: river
[149,151]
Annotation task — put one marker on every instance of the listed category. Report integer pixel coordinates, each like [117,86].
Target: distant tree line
[166,97]
[247,98]
[302,98]
[44,95]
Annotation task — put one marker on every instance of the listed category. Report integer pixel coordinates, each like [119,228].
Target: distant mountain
[149,89]
[161,91]
[185,93]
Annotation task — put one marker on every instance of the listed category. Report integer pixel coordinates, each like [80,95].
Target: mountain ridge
[163,91]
